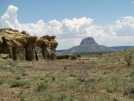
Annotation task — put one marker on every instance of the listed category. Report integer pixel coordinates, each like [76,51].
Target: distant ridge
[122,47]
[88,45]
[116,48]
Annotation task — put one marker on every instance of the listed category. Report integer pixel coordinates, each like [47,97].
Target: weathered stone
[22,46]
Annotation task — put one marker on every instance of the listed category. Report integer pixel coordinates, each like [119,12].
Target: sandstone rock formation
[22,46]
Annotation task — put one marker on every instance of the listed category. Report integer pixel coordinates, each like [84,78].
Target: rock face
[22,46]
[88,45]
[88,41]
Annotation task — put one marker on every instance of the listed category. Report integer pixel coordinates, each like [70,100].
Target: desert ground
[94,77]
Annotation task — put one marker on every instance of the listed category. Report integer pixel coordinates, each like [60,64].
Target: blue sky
[68,18]
[102,11]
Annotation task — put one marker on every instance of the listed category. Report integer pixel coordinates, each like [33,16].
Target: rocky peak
[89,41]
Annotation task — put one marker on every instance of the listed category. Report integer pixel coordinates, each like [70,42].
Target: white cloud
[133,2]
[68,43]
[9,19]
[115,40]
[125,27]
[70,32]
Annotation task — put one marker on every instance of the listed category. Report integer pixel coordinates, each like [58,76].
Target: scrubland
[96,77]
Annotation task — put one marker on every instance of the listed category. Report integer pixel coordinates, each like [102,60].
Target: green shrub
[1,81]
[100,53]
[63,56]
[128,57]
[18,83]
[53,78]
[132,75]
[73,57]
[17,77]
[42,87]
[67,56]
[78,55]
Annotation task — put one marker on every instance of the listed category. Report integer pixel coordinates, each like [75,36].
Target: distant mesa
[88,45]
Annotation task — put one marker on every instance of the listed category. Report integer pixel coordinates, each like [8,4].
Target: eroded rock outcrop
[22,46]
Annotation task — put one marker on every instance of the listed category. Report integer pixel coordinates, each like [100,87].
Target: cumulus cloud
[69,42]
[9,19]
[125,27]
[70,32]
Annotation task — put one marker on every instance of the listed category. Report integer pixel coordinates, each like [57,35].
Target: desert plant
[19,83]
[16,83]
[132,73]
[17,77]
[1,81]
[128,57]
[73,57]
[129,91]
[78,55]
[42,87]
[22,98]
[63,56]
[53,78]
[67,56]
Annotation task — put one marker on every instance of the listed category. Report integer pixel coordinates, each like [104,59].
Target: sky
[109,22]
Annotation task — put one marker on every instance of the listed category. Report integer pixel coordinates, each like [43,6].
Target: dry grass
[96,78]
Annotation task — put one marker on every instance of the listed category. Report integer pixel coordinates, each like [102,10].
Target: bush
[100,53]
[128,57]
[42,87]
[18,83]
[63,56]
[129,91]
[78,55]
[17,77]
[73,57]
[67,56]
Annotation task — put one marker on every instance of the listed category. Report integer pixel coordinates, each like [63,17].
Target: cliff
[22,46]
